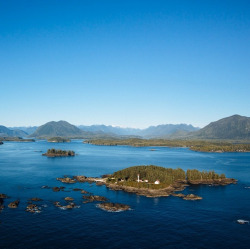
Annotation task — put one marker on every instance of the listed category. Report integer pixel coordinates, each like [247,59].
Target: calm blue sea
[166,222]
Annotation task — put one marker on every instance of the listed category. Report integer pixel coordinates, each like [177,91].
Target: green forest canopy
[164,175]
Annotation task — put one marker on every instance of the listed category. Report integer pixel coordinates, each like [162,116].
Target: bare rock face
[192,197]
[68,199]
[66,180]
[84,192]
[113,207]
[80,178]
[14,204]
[178,195]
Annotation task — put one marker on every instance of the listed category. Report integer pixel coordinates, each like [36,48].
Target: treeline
[60,152]
[151,173]
[196,145]
[194,175]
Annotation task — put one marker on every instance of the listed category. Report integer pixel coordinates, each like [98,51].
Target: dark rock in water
[57,189]
[77,189]
[3,196]
[70,205]
[14,204]
[57,204]
[92,198]
[113,207]
[1,204]
[84,192]
[192,197]
[68,199]
[35,199]
[32,208]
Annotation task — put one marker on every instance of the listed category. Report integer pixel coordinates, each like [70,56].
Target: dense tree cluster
[151,173]
[167,176]
[60,152]
[194,174]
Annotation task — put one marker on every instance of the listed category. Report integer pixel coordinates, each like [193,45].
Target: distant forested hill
[6,132]
[57,129]
[29,130]
[233,127]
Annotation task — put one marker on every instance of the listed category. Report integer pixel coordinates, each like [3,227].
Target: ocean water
[165,222]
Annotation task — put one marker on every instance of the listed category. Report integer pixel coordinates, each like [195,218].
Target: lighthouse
[138,178]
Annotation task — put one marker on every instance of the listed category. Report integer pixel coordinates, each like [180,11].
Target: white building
[157,182]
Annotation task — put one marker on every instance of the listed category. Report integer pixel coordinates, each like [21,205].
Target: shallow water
[166,222]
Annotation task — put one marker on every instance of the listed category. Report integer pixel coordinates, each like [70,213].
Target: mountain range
[235,127]
[6,132]
[162,131]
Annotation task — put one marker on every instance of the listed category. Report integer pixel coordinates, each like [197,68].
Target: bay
[165,222]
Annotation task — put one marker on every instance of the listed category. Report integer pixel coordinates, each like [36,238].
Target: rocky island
[155,181]
[113,207]
[59,153]
[58,140]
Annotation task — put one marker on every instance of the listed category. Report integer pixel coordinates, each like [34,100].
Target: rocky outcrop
[35,199]
[192,197]
[66,180]
[14,204]
[91,198]
[3,196]
[113,207]
[32,208]
[68,199]
[1,204]
[57,189]
[80,178]
[223,182]
[70,205]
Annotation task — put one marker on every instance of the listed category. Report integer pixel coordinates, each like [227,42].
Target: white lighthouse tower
[138,178]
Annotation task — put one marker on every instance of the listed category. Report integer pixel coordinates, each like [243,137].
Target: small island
[59,153]
[1,142]
[58,140]
[155,181]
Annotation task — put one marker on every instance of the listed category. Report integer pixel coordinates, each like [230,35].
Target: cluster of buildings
[139,180]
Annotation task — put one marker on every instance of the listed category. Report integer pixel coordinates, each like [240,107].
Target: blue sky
[126,63]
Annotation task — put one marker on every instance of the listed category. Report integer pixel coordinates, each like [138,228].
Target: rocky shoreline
[148,192]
